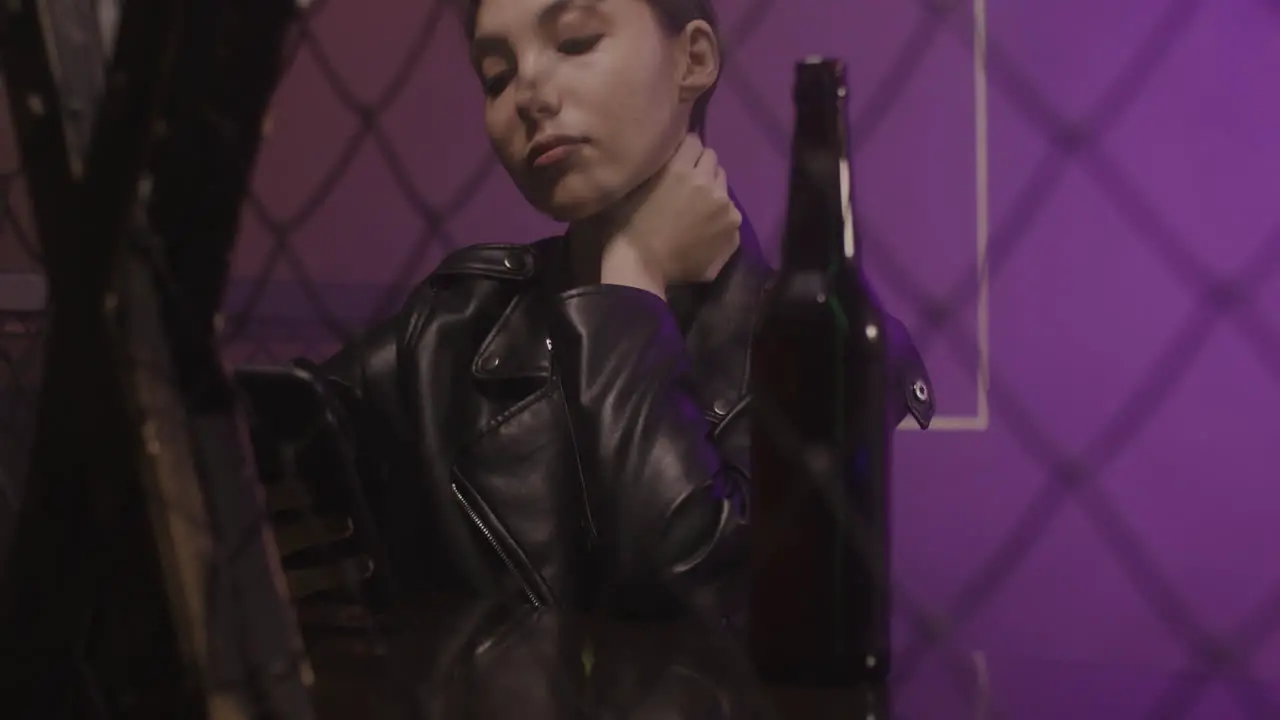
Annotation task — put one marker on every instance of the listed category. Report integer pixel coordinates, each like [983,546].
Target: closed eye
[579,45]
[495,84]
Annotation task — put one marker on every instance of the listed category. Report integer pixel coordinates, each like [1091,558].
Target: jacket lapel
[517,347]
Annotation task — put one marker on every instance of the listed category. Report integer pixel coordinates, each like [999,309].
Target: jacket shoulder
[375,351]
[498,261]
[911,377]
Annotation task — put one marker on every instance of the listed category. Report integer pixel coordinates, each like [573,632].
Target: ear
[699,60]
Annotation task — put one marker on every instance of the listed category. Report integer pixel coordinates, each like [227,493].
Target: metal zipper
[497,547]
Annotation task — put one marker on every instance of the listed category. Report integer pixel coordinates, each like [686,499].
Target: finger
[683,157]
[721,181]
[707,167]
[689,152]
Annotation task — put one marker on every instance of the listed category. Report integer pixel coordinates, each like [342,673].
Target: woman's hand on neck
[680,226]
[601,251]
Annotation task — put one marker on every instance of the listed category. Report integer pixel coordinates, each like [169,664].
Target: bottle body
[820,597]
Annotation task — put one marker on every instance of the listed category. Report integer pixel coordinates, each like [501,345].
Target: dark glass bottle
[820,439]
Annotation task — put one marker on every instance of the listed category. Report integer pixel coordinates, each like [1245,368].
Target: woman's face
[583,98]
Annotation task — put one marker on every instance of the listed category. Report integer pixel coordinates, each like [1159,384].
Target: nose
[536,100]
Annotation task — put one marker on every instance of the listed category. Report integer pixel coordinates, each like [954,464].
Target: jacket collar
[719,330]
[724,318]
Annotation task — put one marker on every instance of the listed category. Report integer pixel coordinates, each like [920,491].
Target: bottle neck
[821,233]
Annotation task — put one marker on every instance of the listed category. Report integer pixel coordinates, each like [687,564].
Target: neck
[589,237]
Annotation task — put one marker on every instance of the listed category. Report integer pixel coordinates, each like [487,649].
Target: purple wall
[1117,164]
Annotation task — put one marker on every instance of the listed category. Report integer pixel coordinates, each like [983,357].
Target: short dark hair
[675,16]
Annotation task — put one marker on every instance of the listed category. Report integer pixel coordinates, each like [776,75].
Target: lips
[551,150]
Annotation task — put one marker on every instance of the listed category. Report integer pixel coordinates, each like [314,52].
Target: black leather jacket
[568,445]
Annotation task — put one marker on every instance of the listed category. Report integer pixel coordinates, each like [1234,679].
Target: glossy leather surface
[565,446]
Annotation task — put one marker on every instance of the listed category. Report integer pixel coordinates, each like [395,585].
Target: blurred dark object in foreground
[494,662]
[22,311]
[142,581]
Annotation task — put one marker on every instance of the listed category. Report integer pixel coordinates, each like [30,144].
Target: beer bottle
[819,602]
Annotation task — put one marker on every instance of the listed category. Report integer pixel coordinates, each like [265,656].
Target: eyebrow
[485,45]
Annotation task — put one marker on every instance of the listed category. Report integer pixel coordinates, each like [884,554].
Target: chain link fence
[354,206]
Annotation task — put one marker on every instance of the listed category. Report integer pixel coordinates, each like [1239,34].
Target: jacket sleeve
[366,377]
[668,489]
[665,500]
[364,373]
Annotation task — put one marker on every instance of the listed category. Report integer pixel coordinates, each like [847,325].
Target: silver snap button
[490,363]
[514,261]
[920,390]
[548,343]
[722,406]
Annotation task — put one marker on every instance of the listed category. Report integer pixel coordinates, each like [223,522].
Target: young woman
[565,421]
